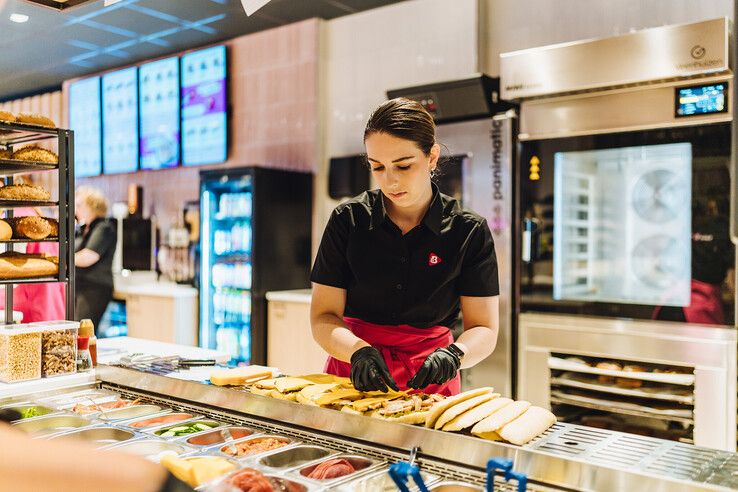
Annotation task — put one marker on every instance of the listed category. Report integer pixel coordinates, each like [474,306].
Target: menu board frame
[81,144]
[145,140]
[106,164]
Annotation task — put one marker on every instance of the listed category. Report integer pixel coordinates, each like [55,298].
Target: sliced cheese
[336,395]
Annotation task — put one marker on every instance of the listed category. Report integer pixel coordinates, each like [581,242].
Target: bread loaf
[239,375]
[5,154]
[17,265]
[24,192]
[6,232]
[35,119]
[7,116]
[35,153]
[32,227]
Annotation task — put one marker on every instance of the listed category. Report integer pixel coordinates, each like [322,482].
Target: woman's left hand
[440,366]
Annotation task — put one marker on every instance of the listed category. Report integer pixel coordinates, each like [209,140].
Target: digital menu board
[120,121]
[84,120]
[204,118]
[158,84]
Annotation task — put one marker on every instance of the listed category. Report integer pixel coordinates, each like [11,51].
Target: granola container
[58,347]
[20,353]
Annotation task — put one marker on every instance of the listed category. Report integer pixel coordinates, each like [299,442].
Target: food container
[219,436]
[255,445]
[152,421]
[186,428]
[360,465]
[51,424]
[102,436]
[206,468]
[293,457]
[58,347]
[91,407]
[456,487]
[128,413]
[68,400]
[20,353]
[150,449]
[381,482]
[277,482]
[29,410]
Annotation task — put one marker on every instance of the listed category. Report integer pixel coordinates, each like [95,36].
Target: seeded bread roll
[36,154]
[24,192]
[7,116]
[5,154]
[36,119]
[32,227]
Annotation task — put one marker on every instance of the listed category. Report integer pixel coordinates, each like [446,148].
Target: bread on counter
[35,153]
[18,265]
[33,227]
[24,192]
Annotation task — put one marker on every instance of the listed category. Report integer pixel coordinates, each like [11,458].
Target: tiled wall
[273,96]
[510,25]
[410,43]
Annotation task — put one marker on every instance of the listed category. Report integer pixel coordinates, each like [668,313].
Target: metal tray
[381,482]
[48,425]
[130,424]
[290,484]
[684,416]
[160,430]
[218,436]
[150,449]
[361,465]
[131,412]
[281,459]
[614,389]
[101,436]
[20,407]
[222,448]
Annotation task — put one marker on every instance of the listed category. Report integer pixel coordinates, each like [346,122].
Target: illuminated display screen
[701,99]
[84,120]
[158,84]
[120,121]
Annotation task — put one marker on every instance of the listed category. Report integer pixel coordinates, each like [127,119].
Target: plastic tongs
[505,465]
[402,471]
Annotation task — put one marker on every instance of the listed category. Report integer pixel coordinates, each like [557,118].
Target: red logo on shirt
[433,259]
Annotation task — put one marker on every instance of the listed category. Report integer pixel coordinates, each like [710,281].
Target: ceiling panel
[54,46]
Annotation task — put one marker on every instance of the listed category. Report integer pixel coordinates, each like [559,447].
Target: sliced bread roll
[534,422]
[437,410]
[500,418]
[471,417]
[462,407]
[239,375]
[285,385]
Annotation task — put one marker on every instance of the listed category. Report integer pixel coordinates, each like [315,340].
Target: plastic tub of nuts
[20,353]
[58,347]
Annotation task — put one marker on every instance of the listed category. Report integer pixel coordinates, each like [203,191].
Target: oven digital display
[701,99]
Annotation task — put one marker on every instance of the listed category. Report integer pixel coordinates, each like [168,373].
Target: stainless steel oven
[623,218]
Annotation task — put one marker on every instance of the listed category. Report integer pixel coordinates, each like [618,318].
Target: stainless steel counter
[567,456]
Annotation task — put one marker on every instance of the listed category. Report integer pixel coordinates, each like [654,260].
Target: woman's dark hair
[406,119]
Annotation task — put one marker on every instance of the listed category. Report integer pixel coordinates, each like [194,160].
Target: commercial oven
[623,212]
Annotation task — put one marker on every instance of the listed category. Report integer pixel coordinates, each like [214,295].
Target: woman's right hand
[369,371]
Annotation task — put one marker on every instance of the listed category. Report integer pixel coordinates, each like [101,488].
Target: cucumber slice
[168,434]
[202,427]
[179,428]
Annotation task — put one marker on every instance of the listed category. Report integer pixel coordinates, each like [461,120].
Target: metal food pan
[205,485]
[131,412]
[222,448]
[455,487]
[20,407]
[150,449]
[135,423]
[52,424]
[102,436]
[219,436]
[160,430]
[284,459]
[381,481]
[361,465]
[279,482]
[68,400]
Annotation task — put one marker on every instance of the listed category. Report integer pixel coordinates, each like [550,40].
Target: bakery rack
[12,135]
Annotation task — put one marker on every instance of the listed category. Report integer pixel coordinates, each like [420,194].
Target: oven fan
[658,261]
[658,196]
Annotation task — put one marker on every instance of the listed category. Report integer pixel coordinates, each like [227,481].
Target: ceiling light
[19,18]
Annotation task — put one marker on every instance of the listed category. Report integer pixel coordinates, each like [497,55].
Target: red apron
[404,349]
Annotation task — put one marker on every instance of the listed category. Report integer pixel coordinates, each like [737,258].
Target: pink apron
[404,349]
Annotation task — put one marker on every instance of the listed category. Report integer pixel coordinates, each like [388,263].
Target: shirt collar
[432,218]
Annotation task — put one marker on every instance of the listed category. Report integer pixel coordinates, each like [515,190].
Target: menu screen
[204,130]
[84,120]
[701,99]
[120,121]
[158,84]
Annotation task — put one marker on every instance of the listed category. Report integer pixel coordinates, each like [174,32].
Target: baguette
[239,375]
[16,265]
[24,192]
[531,424]
[6,232]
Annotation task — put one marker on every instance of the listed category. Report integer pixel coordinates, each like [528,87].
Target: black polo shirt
[414,279]
[100,236]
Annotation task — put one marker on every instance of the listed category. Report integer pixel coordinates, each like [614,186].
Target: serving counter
[566,457]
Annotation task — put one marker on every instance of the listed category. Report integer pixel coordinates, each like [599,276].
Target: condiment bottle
[87,329]
[84,360]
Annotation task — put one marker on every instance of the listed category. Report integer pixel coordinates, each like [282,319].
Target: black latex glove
[369,372]
[440,366]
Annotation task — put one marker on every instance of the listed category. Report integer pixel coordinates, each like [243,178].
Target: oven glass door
[629,224]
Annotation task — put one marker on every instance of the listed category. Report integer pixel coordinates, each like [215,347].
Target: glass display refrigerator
[255,238]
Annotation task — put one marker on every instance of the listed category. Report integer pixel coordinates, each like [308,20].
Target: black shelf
[26,203]
[9,167]
[31,280]
[23,241]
